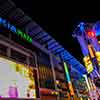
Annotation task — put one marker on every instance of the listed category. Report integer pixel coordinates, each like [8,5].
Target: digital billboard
[16,80]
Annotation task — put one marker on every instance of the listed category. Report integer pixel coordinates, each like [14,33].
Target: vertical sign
[68,79]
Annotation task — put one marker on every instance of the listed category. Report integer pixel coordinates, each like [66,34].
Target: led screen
[16,80]
[88,64]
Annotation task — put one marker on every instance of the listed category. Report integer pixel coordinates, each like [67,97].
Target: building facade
[35,60]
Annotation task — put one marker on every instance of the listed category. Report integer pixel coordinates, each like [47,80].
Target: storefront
[16,80]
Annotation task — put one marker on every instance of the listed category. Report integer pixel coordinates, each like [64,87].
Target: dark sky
[59,19]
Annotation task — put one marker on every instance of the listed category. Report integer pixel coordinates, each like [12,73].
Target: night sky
[59,19]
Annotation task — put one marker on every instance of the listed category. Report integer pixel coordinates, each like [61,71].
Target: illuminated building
[87,35]
[28,47]
[88,64]
[61,84]
[11,82]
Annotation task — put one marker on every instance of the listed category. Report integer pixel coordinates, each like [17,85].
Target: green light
[24,35]
[68,79]
[7,25]
[19,32]
[66,71]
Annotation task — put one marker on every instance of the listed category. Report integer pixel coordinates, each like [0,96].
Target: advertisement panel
[88,64]
[16,80]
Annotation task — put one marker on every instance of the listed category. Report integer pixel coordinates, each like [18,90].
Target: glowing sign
[7,25]
[91,51]
[96,28]
[67,73]
[91,34]
[14,83]
[68,79]
[98,57]
[71,88]
[88,64]
[86,79]
[81,25]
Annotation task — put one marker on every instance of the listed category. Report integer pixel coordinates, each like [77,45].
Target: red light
[91,34]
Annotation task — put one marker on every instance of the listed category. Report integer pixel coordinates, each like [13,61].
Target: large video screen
[16,80]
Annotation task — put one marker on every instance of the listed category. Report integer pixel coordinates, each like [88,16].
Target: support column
[54,75]
[9,52]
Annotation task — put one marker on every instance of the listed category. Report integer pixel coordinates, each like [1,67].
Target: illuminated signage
[98,57]
[88,64]
[68,79]
[18,82]
[67,73]
[7,25]
[91,51]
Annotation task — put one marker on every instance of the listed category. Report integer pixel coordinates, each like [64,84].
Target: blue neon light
[59,50]
[12,28]
[81,25]
[96,28]
[97,33]
[55,48]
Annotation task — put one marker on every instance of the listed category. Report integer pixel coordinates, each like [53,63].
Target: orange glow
[98,57]
[91,34]
[71,88]
[91,51]
[48,91]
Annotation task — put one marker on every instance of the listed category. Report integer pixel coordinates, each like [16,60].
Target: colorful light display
[68,79]
[67,73]
[7,25]
[96,27]
[98,57]
[15,80]
[91,34]
[91,51]
[88,64]
[88,85]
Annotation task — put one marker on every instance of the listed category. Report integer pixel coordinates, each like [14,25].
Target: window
[18,56]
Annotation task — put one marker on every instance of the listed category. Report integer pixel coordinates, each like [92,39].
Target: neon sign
[67,73]
[88,64]
[7,25]
[18,82]
[68,79]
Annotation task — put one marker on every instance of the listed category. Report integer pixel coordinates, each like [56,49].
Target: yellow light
[88,64]
[52,92]
[97,54]
[56,93]
[91,51]
[98,57]
[57,82]
[99,42]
